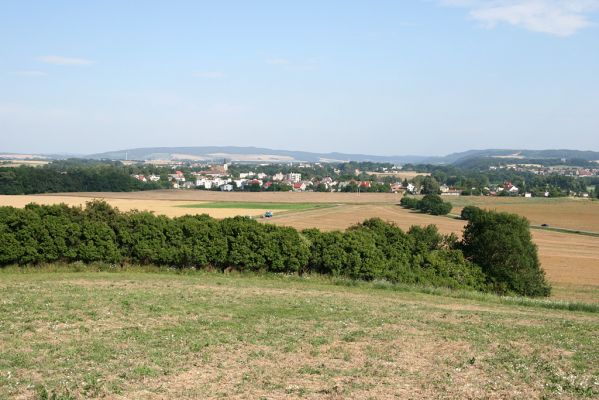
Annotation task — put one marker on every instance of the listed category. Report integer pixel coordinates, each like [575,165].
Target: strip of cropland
[257,206]
[208,335]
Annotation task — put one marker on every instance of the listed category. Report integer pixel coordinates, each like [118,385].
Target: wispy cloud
[31,73]
[554,17]
[58,60]
[209,74]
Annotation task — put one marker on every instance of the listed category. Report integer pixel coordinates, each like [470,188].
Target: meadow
[155,335]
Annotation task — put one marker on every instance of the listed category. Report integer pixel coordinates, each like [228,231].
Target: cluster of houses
[149,178]
[538,169]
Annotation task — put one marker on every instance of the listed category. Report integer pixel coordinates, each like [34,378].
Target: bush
[434,204]
[468,212]
[501,244]
[409,202]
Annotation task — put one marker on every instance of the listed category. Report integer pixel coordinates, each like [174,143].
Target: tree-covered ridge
[371,250]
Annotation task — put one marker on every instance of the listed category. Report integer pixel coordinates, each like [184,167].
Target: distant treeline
[497,253]
[70,177]
[472,180]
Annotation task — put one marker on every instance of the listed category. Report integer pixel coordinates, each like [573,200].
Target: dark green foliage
[430,204]
[409,202]
[468,212]
[501,244]
[70,177]
[434,204]
[371,250]
[430,186]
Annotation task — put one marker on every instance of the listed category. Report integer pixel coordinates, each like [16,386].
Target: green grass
[258,206]
[198,335]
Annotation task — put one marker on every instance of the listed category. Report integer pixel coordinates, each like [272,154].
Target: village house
[141,178]
[397,188]
[294,177]
[451,192]
[299,186]
[154,178]
[178,176]
[278,176]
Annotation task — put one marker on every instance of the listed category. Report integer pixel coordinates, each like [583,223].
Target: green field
[210,335]
[258,206]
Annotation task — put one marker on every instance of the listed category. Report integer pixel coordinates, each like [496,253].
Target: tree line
[430,204]
[371,250]
[65,177]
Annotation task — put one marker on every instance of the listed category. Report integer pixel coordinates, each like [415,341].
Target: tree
[501,244]
[434,204]
[430,186]
[468,212]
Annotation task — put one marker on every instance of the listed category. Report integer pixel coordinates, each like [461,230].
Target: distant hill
[245,154]
[257,154]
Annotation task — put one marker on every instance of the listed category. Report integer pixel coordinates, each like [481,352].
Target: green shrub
[501,244]
[434,204]
[468,212]
[409,202]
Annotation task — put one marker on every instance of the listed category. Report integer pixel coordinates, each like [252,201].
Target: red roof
[297,185]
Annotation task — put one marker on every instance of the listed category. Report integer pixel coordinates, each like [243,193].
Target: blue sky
[380,77]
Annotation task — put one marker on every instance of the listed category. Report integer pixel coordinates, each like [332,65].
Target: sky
[426,77]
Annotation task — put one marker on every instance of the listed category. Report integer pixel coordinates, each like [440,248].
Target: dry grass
[163,336]
[570,213]
[170,208]
[255,197]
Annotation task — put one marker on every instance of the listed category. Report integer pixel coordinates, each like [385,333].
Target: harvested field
[254,197]
[169,208]
[206,335]
[569,213]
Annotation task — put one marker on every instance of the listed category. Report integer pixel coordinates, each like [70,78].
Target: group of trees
[70,177]
[472,180]
[371,250]
[429,204]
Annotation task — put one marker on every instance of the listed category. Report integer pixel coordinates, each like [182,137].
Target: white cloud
[555,17]
[31,73]
[209,74]
[58,60]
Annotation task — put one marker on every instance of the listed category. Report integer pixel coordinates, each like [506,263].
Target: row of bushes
[429,204]
[370,250]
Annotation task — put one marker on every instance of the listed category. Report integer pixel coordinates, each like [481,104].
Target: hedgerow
[372,250]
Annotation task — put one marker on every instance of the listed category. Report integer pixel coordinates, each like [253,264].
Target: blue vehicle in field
[268,214]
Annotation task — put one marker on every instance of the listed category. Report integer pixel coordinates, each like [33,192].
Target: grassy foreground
[209,335]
